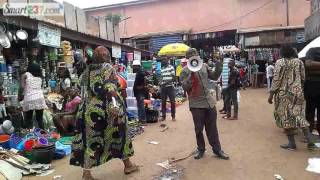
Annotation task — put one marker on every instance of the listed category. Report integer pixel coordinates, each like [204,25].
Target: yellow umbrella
[175,49]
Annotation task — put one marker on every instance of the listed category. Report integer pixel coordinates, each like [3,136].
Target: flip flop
[225,117]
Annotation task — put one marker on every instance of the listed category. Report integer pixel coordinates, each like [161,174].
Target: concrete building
[312,23]
[146,20]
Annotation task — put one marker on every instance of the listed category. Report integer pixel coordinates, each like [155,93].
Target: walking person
[101,130]
[270,71]
[202,106]
[33,98]
[232,92]
[167,88]
[287,92]
[140,90]
[311,88]
[224,82]
[243,75]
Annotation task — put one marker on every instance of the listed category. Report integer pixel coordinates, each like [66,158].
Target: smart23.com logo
[33,9]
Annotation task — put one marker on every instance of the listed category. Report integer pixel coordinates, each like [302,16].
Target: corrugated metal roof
[252,30]
[156,43]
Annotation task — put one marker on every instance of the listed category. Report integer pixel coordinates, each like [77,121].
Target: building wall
[206,15]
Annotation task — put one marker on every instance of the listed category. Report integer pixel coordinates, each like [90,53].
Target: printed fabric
[101,130]
[288,79]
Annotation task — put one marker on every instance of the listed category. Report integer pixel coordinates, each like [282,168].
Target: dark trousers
[206,118]
[224,98]
[313,104]
[141,108]
[232,99]
[165,93]
[29,119]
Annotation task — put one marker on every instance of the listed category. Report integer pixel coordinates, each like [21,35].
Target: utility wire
[238,18]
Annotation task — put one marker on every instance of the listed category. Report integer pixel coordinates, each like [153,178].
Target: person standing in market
[288,96]
[66,80]
[270,70]
[167,88]
[102,122]
[243,75]
[202,106]
[140,90]
[232,92]
[224,82]
[33,98]
[312,88]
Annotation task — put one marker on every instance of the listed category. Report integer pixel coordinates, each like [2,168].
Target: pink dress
[33,94]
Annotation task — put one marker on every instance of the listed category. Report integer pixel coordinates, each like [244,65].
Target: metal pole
[287,10]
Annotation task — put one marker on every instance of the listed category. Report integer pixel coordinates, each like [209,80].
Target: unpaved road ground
[252,143]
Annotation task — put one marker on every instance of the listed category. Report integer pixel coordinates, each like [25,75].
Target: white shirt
[270,70]
[66,84]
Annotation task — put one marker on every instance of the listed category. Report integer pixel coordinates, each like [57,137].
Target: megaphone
[195,63]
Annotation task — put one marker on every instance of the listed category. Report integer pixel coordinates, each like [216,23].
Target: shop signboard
[137,55]
[49,36]
[252,41]
[300,37]
[116,51]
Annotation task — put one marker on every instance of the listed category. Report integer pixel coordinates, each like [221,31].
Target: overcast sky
[93,3]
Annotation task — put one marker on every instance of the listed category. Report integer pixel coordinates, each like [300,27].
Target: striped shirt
[225,73]
[167,76]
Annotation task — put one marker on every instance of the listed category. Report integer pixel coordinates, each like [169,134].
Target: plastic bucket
[42,141]
[15,140]
[5,141]
[29,144]
[43,155]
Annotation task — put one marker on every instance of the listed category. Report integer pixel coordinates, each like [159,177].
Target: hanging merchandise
[67,52]
[268,54]
[130,57]
[137,55]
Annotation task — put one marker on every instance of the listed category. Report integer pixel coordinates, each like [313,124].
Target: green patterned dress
[101,131]
[288,79]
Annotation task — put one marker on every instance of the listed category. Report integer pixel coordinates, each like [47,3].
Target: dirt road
[252,143]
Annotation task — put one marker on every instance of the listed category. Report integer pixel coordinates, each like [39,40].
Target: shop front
[263,46]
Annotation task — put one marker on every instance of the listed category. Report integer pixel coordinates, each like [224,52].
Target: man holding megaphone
[195,78]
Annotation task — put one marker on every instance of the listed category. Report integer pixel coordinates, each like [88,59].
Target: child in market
[3,112]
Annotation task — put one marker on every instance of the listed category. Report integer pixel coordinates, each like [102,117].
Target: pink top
[73,104]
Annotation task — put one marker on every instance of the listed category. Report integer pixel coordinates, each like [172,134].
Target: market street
[252,143]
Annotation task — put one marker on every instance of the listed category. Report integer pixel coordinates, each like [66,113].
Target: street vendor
[202,106]
[66,120]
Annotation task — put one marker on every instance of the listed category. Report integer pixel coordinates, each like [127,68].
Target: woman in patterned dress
[101,132]
[287,91]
